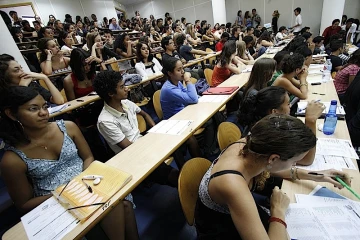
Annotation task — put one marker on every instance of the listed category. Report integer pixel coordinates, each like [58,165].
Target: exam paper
[335,147]
[312,200]
[322,162]
[173,127]
[213,98]
[49,220]
[326,221]
[302,108]
[247,69]
[57,108]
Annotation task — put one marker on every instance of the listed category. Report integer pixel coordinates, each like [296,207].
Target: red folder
[220,91]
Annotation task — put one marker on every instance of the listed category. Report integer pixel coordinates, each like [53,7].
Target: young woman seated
[227,64]
[293,66]
[80,29]
[346,75]
[66,42]
[97,48]
[51,57]
[279,56]
[175,97]
[261,73]
[243,55]
[79,83]
[276,143]
[123,46]
[146,64]
[42,156]
[167,31]
[71,29]
[208,36]
[306,53]
[154,35]
[276,100]
[191,35]
[12,74]
[264,40]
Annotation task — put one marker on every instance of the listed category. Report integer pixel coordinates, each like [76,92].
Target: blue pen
[303,109]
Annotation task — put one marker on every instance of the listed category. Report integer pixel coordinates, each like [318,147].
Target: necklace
[42,146]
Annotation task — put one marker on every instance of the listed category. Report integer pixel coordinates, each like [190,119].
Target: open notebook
[75,194]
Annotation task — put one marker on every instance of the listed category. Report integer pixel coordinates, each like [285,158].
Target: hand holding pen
[330,176]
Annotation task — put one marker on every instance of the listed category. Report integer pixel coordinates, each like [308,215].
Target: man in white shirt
[298,22]
[118,123]
[350,28]
[281,34]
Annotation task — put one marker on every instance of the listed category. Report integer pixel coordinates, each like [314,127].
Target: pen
[326,175]
[87,186]
[323,94]
[347,187]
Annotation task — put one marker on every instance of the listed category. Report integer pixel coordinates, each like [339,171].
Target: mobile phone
[316,83]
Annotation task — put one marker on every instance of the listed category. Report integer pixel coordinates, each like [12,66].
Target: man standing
[255,18]
[298,22]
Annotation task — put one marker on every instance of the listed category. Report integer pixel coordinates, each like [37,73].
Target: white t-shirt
[146,72]
[352,30]
[114,126]
[279,36]
[298,20]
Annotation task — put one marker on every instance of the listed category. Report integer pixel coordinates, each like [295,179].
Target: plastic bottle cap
[333,102]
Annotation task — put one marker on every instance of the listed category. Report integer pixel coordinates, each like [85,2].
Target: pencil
[347,187]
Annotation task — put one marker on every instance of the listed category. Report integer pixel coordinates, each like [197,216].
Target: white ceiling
[130,2]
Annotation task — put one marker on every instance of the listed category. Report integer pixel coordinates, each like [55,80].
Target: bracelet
[303,84]
[296,173]
[275,219]
[292,175]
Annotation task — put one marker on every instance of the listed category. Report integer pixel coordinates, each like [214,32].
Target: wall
[311,11]
[104,8]
[352,8]
[190,9]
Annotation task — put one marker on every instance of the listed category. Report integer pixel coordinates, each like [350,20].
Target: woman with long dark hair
[227,64]
[146,64]
[41,156]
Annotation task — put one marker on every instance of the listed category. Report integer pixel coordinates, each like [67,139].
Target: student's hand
[313,111]
[92,59]
[344,176]
[27,78]
[279,202]
[187,77]
[48,53]
[303,74]
[312,46]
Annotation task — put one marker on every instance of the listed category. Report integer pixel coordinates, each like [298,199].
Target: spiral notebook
[76,197]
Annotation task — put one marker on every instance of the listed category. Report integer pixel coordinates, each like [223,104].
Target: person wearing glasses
[227,212]
[41,156]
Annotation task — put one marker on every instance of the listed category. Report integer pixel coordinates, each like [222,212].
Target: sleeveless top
[80,92]
[46,175]
[273,79]
[204,186]
[220,74]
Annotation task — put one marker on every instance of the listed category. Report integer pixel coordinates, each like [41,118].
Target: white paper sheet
[50,220]
[213,98]
[173,127]
[302,107]
[322,162]
[247,69]
[335,147]
[57,108]
[314,200]
[326,221]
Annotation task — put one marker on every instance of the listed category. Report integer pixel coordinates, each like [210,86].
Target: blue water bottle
[330,119]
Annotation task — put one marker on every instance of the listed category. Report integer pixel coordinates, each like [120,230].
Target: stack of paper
[172,127]
[324,215]
[57,108]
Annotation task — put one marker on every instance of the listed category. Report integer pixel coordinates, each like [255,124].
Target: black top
[335,61]
[351,103]
[108,53]
[274,24]
[166,57]
[185,52]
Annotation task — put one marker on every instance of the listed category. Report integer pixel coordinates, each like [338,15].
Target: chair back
[157,105]
[227,133]
[213,59]
[189,180]
[208,75]
[141,123]
[115,67]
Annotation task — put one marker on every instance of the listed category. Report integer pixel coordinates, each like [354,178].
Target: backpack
[201,86]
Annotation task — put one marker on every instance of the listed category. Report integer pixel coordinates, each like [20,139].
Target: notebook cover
[76,194]
[220,91]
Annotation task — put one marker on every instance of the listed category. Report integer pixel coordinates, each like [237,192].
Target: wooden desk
[141,163]
[34,50]
[27,43]
[305,187]
[59,74]
[201,59]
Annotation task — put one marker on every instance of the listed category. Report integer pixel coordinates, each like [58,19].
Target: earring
[268,167]
[20,124]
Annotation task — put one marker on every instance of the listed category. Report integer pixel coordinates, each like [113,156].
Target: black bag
[136,94]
